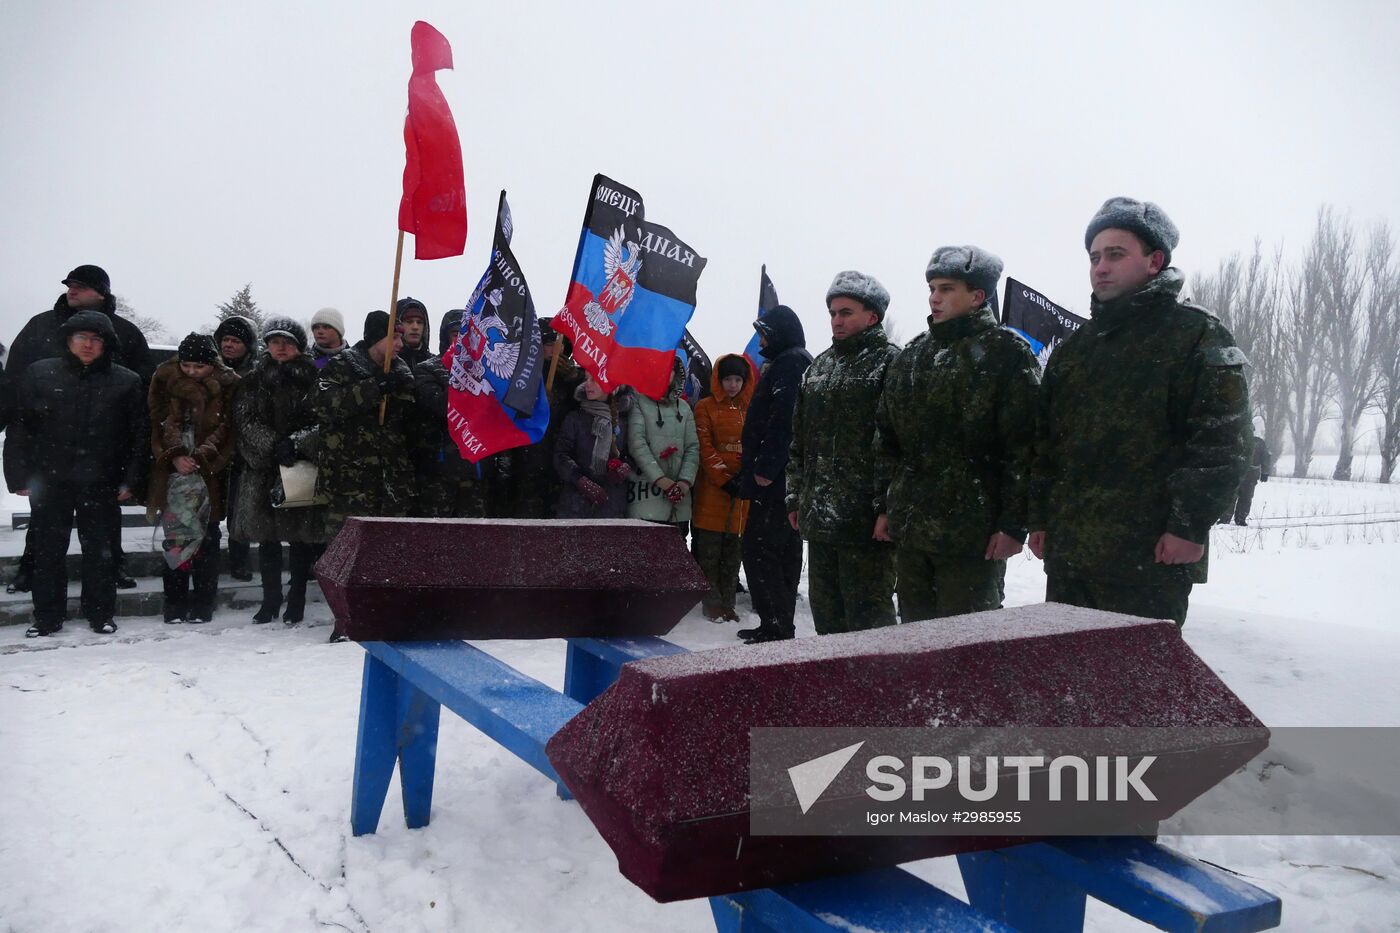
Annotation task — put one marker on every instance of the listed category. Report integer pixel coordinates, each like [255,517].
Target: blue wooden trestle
[1035,887]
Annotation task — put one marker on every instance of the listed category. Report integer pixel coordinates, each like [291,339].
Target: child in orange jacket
[718,517]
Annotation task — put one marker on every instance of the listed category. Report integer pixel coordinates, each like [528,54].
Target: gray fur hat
[977,267]
[285,327]
[1143,218]
[863,288]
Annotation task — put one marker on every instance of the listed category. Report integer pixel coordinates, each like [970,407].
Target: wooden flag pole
[393,321]
[554,365]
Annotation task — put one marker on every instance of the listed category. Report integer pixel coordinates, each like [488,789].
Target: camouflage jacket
[954,437]
[831,462]
[1143,428]
[364,467]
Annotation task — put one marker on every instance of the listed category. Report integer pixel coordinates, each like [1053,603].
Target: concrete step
[142,563]
[133,516]
[148,599]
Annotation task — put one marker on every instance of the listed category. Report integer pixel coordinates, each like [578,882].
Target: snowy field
[182,778]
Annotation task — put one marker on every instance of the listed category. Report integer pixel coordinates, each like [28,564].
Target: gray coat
[275,402]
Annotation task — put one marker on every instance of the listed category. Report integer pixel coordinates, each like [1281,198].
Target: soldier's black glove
[383,381]
[285,452]
[400,380]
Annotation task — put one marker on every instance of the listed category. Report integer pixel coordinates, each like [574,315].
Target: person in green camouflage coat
[1143,433]
[850,575]
[364,467]
[955,429]
[447,484]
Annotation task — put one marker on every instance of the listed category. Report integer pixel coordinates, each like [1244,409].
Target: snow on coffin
[404,579]
[660,761]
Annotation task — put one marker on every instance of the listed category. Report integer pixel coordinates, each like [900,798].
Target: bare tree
[1304,335]
[1383,315]
[154,330]
[1262,340]
[1347,347]
[1245,294]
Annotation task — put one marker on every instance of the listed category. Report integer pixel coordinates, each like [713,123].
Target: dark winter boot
[238,561]
[772,633]
[21,583]
[296,602]
[270,568]
[296,586]
[749,634]
[176,583]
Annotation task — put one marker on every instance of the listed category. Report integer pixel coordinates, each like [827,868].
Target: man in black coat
[772,548]
[89,289]
[74,448]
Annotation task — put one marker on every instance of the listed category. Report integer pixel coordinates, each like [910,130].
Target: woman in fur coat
[276,427]
[191,407]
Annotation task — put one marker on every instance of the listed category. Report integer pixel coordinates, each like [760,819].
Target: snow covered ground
[198,778]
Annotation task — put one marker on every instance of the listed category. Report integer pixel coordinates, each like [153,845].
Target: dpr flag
[496,397]
[767,301]
[632,293]
[1038,320]
[434,203]
[698,368]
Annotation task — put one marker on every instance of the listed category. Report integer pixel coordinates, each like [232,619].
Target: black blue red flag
[698,368]
[767,301]
[496,397]
[1040,322]
[632,293]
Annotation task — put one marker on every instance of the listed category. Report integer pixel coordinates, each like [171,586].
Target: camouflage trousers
[1244,500]
[448,496]
[1155,601]
[850,586]
[718,556]
[934,587]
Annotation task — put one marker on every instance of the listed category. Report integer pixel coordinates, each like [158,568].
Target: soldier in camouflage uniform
[956,425]
[448,486]
[1143,433]
[364,467]
[1258,473]
[527,479]
[831,466]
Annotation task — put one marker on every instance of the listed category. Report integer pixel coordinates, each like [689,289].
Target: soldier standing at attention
[1143,433]
[831,467]
[956,425]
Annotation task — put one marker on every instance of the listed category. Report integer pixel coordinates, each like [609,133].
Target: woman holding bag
[276,427]
[191,400]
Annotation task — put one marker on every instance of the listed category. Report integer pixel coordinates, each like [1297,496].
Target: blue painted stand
[1035,887]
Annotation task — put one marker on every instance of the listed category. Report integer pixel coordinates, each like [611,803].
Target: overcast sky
[190,147]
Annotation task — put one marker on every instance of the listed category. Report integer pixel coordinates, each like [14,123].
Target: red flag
[434,205]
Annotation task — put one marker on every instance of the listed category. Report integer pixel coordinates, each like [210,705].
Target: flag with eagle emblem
[632,293]
[495,391]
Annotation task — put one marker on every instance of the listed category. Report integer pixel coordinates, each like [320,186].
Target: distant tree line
[1322,333]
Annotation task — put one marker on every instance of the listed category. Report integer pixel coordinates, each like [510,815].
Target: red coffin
[660,761]
[400,579]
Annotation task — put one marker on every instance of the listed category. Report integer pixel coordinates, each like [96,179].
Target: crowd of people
[915,471]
